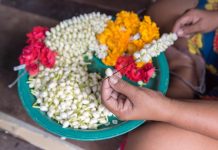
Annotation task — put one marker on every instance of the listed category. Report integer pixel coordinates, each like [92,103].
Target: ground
[9,142]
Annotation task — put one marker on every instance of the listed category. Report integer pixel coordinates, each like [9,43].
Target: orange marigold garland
[126,35]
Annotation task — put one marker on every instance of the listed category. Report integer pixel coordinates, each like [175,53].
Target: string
[16,80]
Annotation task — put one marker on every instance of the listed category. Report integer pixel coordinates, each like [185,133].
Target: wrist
[166,110]
[169,111]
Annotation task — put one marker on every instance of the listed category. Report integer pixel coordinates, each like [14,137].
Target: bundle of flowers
[58,73]
[128,41]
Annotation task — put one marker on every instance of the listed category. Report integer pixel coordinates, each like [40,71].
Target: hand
[128,102]
[196,21]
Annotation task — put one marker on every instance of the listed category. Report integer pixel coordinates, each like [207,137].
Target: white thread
[15,81]
[16,68]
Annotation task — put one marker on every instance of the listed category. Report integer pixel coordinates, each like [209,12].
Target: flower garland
[36,52]
[155,48]
[126,35]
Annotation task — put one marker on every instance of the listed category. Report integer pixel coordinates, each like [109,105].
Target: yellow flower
[209,6]
[212,1]
[195,44]
[141,63]
[211,69]
[117,35]
[148,30]
[129,20]
[134,46]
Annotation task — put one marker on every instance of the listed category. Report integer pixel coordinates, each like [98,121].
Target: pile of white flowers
[67,92]
[76,36]
[155,48]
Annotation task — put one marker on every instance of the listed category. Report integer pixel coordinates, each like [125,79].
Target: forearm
[215,16]
[195,115]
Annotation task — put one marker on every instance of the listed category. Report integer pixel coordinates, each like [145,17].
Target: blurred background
[17,17]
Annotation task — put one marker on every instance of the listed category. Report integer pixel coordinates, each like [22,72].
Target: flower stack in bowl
[58,59]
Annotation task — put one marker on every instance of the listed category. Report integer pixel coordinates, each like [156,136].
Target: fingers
[111,104]
[187,24]
[123,87]
[106,90]
[180,23]
[190,30]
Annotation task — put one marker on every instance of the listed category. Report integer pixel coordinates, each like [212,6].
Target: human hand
[196,21]
[128,102]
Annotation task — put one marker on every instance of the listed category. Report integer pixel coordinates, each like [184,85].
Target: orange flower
[129,20]
[117,35]
[141,64]
[148,31]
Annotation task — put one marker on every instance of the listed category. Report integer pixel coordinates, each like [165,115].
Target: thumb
[123,87]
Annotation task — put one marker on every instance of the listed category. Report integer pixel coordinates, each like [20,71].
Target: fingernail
[118,74]
[113,79]
[180,33]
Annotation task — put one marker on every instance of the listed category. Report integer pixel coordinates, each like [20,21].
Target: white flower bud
[114,121]
[93,121]
[96,114]
[109,72]
[63,115]
[66,124]
[84,127]
[85,101]
[43,108]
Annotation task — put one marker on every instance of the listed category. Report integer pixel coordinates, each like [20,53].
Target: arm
[195,115]
[128,102]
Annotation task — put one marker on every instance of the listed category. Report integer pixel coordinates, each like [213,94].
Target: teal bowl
[159,83]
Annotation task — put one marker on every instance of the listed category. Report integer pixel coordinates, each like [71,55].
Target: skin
[184,67]
[196,21]
[166,12]
[186,124]
[128,102]
[163,136]
[175,124]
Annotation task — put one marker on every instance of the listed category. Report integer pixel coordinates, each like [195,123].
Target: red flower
[135,74]
[29,55]
[37,52]
[126,66]
[37,34]
[47,57]
[32,69]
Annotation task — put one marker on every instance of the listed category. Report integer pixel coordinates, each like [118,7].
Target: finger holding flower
[129,102]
